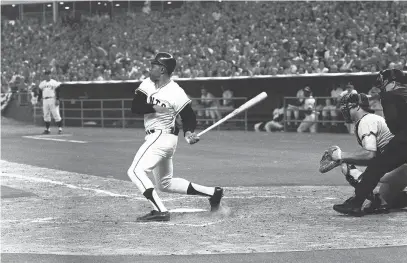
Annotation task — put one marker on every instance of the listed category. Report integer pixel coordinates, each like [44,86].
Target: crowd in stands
[212,39]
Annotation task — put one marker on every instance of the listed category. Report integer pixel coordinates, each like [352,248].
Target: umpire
[393,97]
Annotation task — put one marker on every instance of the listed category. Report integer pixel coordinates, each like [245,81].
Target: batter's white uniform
[155,155]
[48,100]
[375,125]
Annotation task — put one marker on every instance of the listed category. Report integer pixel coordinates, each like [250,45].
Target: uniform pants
[393,156]
[48,108]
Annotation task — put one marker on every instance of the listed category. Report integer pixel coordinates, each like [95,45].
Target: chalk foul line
[39,137]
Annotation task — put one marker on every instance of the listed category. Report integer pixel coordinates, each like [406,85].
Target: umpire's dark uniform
[394,104]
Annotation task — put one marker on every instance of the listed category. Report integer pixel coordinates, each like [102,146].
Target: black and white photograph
[203,131]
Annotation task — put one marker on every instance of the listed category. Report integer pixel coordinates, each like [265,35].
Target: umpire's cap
[388,75]
[165,59]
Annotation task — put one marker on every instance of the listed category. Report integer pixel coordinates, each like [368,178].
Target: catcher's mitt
[326,164]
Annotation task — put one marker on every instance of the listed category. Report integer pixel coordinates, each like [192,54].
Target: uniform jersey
[48,88]
[373,125]
[309,104]
[278,114]
[170,96]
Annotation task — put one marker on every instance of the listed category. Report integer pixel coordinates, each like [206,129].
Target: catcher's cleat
[375,206]
[46,132]
[214,200]
[350,207]
[155,216]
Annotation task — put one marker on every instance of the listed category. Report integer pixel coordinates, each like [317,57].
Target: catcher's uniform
[374,125]
[49,96]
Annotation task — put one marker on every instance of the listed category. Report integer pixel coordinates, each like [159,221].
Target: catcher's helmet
[166,60]
[352,100]
[388,75]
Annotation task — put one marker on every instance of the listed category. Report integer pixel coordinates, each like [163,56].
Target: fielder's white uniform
[309,122]
[156,153]
[373,134]
[48,100]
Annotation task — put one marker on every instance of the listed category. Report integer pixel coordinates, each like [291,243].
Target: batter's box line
[179,224]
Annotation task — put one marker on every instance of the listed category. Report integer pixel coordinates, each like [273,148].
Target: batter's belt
[174,130]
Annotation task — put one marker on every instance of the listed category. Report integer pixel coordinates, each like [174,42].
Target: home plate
[187,210]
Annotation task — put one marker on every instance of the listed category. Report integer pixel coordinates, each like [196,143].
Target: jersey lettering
[171,96]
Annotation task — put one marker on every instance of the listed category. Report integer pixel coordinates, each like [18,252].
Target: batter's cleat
[46,132]
[214,200]
[350,207]
[155,216]
[60,132]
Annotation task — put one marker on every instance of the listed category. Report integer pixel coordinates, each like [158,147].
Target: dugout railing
[117,113]
[321,107]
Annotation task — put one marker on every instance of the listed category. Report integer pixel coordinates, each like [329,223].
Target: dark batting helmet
[353,100]
[387,76]
[165,59]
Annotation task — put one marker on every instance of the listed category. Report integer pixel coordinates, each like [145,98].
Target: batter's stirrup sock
[47,124]
[192,191]
[152,196]
[59,123]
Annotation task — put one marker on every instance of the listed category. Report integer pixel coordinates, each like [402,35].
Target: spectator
[330,110]
[213,39]
[210,107]
[296,105]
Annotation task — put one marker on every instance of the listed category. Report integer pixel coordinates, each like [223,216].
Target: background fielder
[49,93]
[161,100]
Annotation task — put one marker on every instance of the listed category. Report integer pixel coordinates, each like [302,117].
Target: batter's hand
[191,137]
[160,109]
[56,102]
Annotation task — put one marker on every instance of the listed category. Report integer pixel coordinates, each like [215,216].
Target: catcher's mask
[165,59]
[387,76]
[352,100]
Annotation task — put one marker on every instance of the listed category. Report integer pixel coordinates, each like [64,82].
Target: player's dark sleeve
[57,93]
[39,94]
[188,118]
[394,109]
[139,104]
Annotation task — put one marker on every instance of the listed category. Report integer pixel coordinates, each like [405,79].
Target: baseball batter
[49,93]
[373,135]
[161,100]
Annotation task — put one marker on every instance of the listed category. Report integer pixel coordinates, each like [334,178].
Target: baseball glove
[326,164]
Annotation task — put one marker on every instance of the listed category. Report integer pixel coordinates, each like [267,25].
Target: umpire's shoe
[214,200]
[155,216]
[350,207]
[376,206]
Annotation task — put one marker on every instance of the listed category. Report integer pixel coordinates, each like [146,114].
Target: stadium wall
[276,87]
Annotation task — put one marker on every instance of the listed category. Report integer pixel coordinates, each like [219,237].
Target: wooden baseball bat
[248,104]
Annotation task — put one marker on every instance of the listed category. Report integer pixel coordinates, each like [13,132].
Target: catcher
[373,135]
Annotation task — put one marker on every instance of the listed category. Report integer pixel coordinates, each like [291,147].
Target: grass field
[70,195]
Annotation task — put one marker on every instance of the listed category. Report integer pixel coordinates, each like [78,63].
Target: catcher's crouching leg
[376,205]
